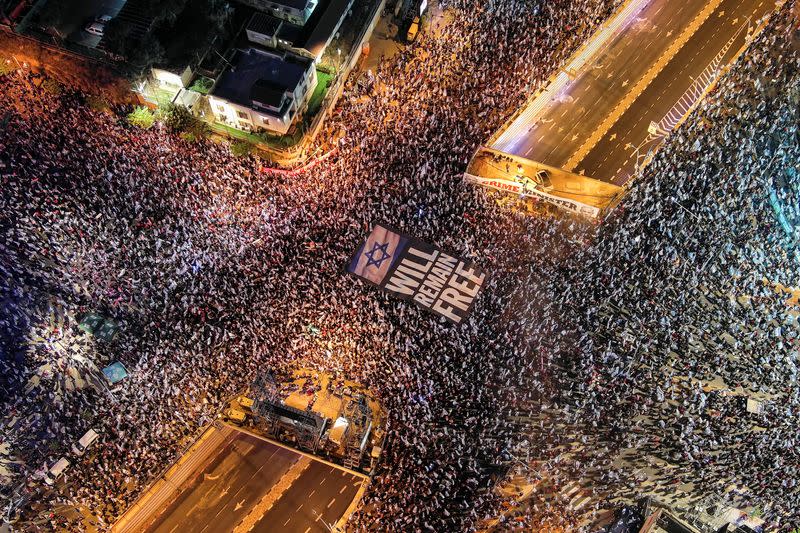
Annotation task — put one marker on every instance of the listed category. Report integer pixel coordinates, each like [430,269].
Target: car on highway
[542,179]
[96,28]
[540,182]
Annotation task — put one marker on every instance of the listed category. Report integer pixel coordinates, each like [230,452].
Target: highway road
[638,76]
[321,494]
[232,484]
[613,157]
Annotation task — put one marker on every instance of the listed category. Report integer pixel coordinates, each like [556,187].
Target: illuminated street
[262,269]
[229,489]
[593,125]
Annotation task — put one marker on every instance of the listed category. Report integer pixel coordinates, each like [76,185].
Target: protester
[215,270]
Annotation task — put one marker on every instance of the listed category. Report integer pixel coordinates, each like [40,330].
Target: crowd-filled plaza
[645,331]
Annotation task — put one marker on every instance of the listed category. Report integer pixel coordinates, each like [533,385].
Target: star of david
[382,248]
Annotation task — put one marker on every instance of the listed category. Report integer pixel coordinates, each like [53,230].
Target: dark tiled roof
[266,92]
[258,72]
[326,26]
[296,4]
[264,24]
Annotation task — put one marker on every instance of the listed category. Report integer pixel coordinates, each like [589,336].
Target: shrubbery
[241,148]
[52,86]
[177,119]
[141,117]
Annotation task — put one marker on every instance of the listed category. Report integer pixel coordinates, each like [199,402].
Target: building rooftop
[267,92]
[326,26]
[297,4]
[264,24]
[261,76]
[313,36]
[294,4]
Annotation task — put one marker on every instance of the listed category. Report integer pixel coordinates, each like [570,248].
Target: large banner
[517,188]
[416,270]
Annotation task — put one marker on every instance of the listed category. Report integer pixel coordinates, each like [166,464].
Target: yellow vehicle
[245,402]
[237,415]
[413,30]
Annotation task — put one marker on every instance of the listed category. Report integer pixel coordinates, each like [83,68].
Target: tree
[179,119]
[167,10]
[175,117]
[148,53]
[202,85]
[141,117]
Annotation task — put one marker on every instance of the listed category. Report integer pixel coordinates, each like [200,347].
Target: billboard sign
[516,187]
[419,271]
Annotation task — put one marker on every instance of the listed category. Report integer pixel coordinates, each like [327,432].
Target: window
[242,114]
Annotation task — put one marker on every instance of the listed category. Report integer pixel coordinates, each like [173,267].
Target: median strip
[641,85]
[274,494]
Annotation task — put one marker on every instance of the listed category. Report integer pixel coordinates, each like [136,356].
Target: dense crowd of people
[215,268]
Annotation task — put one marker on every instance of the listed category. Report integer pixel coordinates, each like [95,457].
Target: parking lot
[80,13]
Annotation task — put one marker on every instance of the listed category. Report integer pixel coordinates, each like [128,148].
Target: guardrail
[690,98]
[661,129]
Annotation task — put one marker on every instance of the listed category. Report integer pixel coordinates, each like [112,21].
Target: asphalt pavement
[81,13]
[594,124]
[226,490]
[569,121]
[321,494]
[613,158]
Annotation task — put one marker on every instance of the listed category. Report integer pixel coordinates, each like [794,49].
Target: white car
[103,19]
[96,28]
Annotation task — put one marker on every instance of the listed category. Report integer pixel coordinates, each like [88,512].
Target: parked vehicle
[542,179]
[96,28]
[56,471]
[85,442]
[413,30]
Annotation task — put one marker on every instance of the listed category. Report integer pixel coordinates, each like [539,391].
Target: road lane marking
[323,480]
[301,506]
[310,494]
[343,489]
[307,530]
[287,521]
[195,506]
[330,503]
[640,86]
[274,494]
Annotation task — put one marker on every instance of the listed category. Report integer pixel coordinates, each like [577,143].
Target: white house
[264,89]
[309,40]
